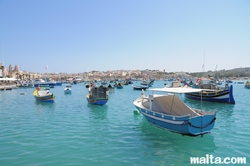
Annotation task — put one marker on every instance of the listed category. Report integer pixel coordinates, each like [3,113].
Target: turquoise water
[72,132]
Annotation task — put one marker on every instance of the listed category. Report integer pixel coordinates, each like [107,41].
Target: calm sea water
[72,132]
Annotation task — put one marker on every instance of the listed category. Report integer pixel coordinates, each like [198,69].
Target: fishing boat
[212,93]
[43,95]
[67,90]
[97,95]
[174,84]
[119,85]
[171,113]
[140,87]
[111,88]
[247,85]
[43,83]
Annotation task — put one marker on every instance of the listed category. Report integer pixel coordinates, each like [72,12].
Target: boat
[67,90]
[147,82]
[97,95]
[42,83]
[119,85]
[111,88]
[140,87]
[26,85]
[171,113]
[213,93]
[247,85]
[174,84]
[43,95]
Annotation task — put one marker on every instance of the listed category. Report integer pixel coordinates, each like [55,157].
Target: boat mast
[3,56]
[203,67]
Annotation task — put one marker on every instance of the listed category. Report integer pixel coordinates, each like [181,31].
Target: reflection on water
[44,106]
[165,144]
[97,112]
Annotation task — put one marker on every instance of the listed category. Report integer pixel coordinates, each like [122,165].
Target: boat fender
[136,112]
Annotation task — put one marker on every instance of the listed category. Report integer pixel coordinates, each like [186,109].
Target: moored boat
[111,88]
[119,85]
[212,93]
[43,95]
[169,112]
[42,83]
[97,95]
[247,85]
[67,90]
[140,87]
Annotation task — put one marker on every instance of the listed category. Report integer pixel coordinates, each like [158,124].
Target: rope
[202,126]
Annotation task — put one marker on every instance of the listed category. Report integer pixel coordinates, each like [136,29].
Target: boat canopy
[177,90]
[100,92]
[172,105]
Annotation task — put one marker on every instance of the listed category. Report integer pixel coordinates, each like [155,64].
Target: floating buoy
[22,93]
[136,112]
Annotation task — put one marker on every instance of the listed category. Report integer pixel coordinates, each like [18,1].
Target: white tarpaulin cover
[177,90]
[172,105]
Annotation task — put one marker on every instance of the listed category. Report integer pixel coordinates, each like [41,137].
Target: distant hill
[237,72]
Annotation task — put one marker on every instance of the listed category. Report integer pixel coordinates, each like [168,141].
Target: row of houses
[14,72]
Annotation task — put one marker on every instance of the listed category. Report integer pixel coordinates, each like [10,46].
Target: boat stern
[202,124]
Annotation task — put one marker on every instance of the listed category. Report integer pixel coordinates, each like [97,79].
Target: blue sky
[76,36]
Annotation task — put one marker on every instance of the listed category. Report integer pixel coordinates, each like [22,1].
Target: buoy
[136,112]
[22,93]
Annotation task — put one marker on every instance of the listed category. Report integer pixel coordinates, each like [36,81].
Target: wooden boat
[97,95]
[247,85]
[171,113]
[140,87]
[111,88]
[67,90]
[174,84]
[119,85]
[212,93]
[44,96]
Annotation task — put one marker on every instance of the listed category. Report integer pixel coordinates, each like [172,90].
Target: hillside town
[16,73]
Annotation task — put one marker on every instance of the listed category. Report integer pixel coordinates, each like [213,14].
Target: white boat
[42,83]
[67,90]
[171,113]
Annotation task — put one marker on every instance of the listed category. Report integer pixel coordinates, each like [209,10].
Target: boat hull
[49,100]
[222,96]
[247,86]
[96,101]
[119,87]
[184,124]
[67,91]
[139,87]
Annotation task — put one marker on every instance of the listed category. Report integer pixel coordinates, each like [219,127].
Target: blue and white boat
[171,113]
[97,95]
[212,93]
[42,83]
[67,90]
